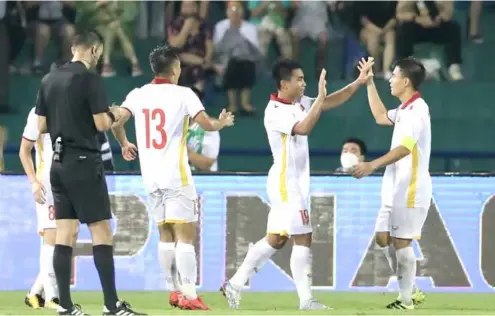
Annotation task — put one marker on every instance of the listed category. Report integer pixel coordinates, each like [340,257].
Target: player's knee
[185,233]
[276,241]
[303,240]
[166,233]
[49,237]
[66,228]
[382,239]
[101,233]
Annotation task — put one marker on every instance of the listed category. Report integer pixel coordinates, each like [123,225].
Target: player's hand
[226,118]
[362,169]
[129,151]
[365,68]
[322,84]
[39,192]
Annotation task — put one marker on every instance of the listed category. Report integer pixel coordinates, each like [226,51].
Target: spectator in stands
[203,148]
[270,18]
[174,8]
[51,18]
[474,21]
[190,34]
[151,15]
[17,29]
[112,20]
[378,27]
[356,147]
[429,21]
[311,20]
[236,52]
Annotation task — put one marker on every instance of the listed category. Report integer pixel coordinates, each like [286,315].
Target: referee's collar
[161,80]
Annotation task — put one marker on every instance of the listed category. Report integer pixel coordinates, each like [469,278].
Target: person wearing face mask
[353,151]
[72,107]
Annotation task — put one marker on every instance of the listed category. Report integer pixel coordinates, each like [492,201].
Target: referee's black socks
[62,264]
[103,257]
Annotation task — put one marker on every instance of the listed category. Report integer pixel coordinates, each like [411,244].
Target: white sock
[301,266]
[256,257]
[389,252]
[48,273]
[185,257]
[37,287]
[166,255]
[406,273]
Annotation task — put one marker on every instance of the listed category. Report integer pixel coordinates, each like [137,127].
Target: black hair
[283,69]
[362,146]
[412,69]
[162,59]
[87,39]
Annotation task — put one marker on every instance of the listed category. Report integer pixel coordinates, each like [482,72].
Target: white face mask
[348,160]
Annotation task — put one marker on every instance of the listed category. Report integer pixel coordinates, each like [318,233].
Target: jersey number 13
[155,119]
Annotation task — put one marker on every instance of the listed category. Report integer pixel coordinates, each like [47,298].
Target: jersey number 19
[157,118]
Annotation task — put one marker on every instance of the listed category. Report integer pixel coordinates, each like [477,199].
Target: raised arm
[341,96]
[305,126]
[376,105]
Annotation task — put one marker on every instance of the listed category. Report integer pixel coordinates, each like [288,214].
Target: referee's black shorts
[79,187]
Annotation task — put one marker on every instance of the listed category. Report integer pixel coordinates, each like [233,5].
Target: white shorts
[401,222]
[288,219]
[46,212]
[174,206]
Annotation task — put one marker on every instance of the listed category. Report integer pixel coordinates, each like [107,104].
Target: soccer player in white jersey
[406,187]
[40,182]
[161,112]
[289,118]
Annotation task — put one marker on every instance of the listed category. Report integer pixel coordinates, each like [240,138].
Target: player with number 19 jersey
[161,113]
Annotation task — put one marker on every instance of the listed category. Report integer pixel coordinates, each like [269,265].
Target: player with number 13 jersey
[161,111]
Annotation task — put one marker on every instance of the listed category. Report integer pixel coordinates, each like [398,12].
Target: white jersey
[407,183]
[43,148]
[161,113]
[289,175]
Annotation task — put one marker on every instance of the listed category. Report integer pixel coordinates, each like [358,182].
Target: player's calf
[406,269]
[186,258]
[166,256]
[301,268]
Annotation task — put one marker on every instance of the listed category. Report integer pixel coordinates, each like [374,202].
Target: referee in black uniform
[72,107]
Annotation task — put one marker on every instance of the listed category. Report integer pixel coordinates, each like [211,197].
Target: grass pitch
[256,303]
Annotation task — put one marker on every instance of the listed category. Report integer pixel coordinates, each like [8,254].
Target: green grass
[156,303]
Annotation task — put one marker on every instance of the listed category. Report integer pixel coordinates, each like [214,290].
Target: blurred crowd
[215,50]
[236,44]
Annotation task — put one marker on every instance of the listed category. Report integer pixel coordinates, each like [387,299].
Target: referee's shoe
[122,309]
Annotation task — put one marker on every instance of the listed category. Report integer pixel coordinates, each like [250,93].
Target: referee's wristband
[112,117]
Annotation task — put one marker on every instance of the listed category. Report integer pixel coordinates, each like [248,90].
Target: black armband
[112,117]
